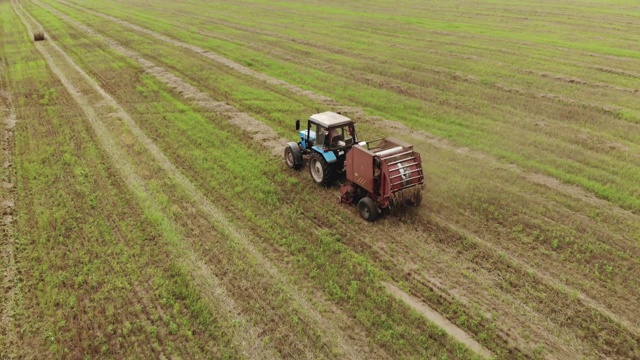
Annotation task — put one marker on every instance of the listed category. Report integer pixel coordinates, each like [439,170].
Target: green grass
[283,210]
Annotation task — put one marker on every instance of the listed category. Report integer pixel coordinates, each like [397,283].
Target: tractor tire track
[400,268]
[454,331]
[10,285]
[594,303]
[247,337]
[355,112]
[247,123]
[473,294]
[496,271]
[543,278]
[563,307]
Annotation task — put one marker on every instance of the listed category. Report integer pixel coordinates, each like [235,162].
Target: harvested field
[147,211]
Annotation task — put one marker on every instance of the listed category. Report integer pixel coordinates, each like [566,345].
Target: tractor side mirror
[297,124]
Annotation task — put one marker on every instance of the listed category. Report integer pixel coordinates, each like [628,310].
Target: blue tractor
[325,142]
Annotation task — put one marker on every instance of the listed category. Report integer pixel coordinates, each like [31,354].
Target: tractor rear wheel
[368,209]
[321,172]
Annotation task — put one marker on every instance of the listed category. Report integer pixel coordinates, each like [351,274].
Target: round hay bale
[38,35]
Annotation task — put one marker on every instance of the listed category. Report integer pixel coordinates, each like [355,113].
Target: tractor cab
[325,142]
[327,131]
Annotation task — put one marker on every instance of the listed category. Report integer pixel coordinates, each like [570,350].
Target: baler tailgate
[409,173]
[403,170]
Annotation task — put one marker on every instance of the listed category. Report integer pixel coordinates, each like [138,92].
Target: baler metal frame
[385,190]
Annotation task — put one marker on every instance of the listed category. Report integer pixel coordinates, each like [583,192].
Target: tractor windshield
[334,137]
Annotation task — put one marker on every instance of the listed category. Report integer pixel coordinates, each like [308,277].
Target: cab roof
[329,119]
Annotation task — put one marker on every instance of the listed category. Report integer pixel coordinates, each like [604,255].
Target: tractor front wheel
[321,171]
[368,209]
[293,156]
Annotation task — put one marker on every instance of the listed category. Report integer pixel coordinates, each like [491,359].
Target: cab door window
[321,136]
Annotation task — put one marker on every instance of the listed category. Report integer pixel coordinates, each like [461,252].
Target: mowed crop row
[492,212]
[442,264]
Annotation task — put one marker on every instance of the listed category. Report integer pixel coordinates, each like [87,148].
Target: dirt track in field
[552,183]
[10,345]
[466,275]
[552,282]
[439,320]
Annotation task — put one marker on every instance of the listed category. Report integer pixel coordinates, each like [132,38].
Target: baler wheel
[321,172]
[368,209]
